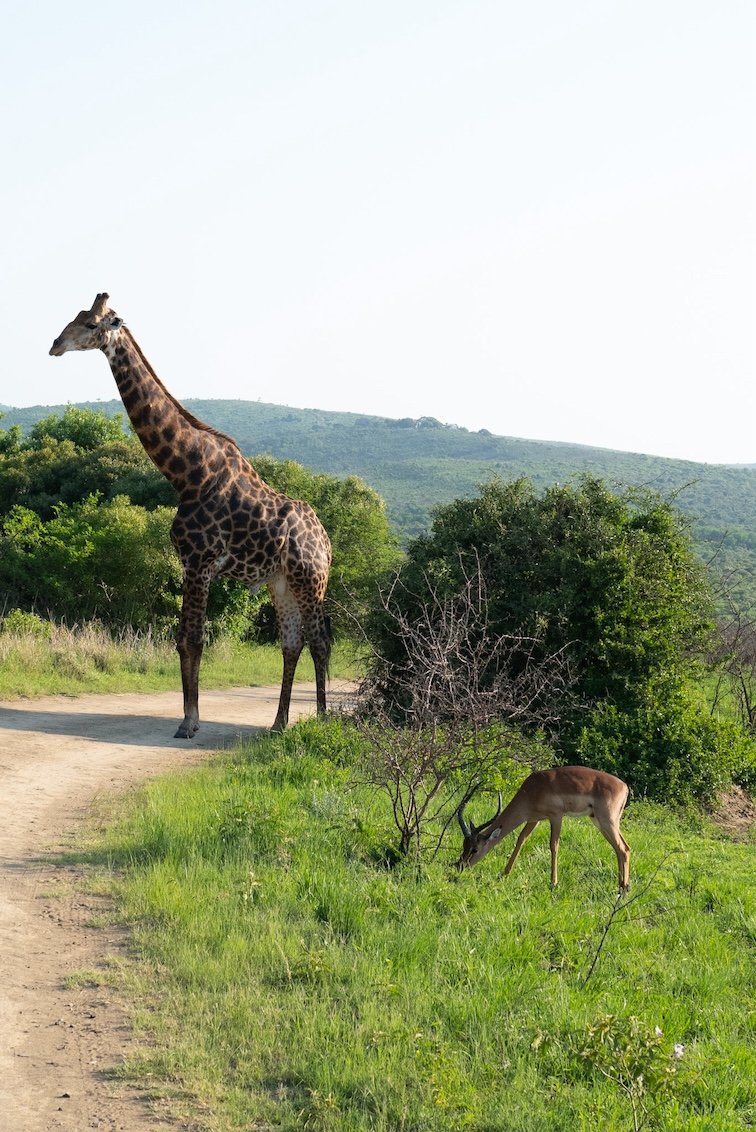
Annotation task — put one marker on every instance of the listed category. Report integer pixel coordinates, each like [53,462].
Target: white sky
[535,218]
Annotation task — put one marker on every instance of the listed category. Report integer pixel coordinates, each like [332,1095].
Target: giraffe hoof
[186,731]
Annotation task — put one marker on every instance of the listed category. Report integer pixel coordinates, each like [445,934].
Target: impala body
[551,795]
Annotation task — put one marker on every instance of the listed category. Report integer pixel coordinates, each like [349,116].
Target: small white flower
[658,1031]
[679,1050]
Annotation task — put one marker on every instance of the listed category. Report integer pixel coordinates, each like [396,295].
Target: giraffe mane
[195,422]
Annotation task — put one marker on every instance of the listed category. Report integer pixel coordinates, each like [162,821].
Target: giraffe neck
[185,450]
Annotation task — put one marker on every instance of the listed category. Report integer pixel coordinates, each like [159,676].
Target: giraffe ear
[115,323]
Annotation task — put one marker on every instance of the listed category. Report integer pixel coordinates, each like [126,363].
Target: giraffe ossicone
[229,522]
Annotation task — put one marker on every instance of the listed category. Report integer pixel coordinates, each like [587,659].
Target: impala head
[90,330]
[478,839]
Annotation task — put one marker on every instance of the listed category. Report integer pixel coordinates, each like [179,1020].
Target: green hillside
[416,464]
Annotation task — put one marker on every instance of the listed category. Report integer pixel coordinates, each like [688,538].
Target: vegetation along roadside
[304,953]
[284,976]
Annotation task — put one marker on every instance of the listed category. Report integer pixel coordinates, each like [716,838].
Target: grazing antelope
[550,795]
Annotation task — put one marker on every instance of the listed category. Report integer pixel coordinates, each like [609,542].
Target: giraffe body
[229,521]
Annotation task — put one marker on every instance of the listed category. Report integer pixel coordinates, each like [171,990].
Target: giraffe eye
[91,325]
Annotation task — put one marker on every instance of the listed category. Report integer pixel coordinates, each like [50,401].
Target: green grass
[283,979]
[56,660]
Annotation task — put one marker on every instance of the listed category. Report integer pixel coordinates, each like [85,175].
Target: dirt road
[59,1035]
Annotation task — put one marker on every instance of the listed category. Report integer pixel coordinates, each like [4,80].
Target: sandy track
[57,756]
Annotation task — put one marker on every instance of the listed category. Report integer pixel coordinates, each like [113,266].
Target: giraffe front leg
[190,640]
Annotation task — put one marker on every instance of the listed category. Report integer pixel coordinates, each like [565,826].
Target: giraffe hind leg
[300,617]
[319,643]
[289,620]
[290,661]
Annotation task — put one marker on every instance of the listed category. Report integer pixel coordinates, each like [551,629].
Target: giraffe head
[90,330]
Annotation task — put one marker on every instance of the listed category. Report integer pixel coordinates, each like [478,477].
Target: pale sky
[532,217]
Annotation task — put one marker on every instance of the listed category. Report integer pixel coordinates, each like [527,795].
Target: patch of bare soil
[60,1037]
[735,812]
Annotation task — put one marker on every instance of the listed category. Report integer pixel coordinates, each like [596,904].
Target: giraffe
[229,521]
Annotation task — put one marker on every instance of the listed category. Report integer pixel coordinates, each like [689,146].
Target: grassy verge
[284,979]
[63,661]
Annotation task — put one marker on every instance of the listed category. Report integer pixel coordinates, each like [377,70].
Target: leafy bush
[67,460]
[85,428]
[22,621]
[608,581]
[667,748]
[111,560]
[69,457]
[635,1058]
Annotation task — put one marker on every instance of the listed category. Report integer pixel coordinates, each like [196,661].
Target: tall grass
[47,658]
[285,979]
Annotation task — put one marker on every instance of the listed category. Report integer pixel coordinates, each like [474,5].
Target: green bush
[667,748]
[611,582]
[22,621]
[112,561]
[70,460]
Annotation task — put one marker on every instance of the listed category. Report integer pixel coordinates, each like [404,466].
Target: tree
[85,428]
[611,579]
[71,458]
[10,438]
[107,560]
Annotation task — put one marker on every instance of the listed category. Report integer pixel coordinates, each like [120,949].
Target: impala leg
[610,830]
[190,640]
[623,862]
[525,832]
[622,849]
[623,865]
[556,829]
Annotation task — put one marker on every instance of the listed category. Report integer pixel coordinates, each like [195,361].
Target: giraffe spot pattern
[228,520]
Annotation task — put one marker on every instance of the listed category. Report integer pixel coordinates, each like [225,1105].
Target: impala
[550,795]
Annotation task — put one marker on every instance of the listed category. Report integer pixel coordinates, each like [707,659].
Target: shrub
[669,749]
[607,582]
[26,623]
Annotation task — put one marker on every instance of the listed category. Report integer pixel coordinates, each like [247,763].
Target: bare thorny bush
[734,658]
[467,693]
[732,650]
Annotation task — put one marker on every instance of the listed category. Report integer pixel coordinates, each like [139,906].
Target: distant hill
[417,464]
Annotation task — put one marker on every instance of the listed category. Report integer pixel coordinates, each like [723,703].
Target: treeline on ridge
[86,519]
[605,578]
[415,465]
